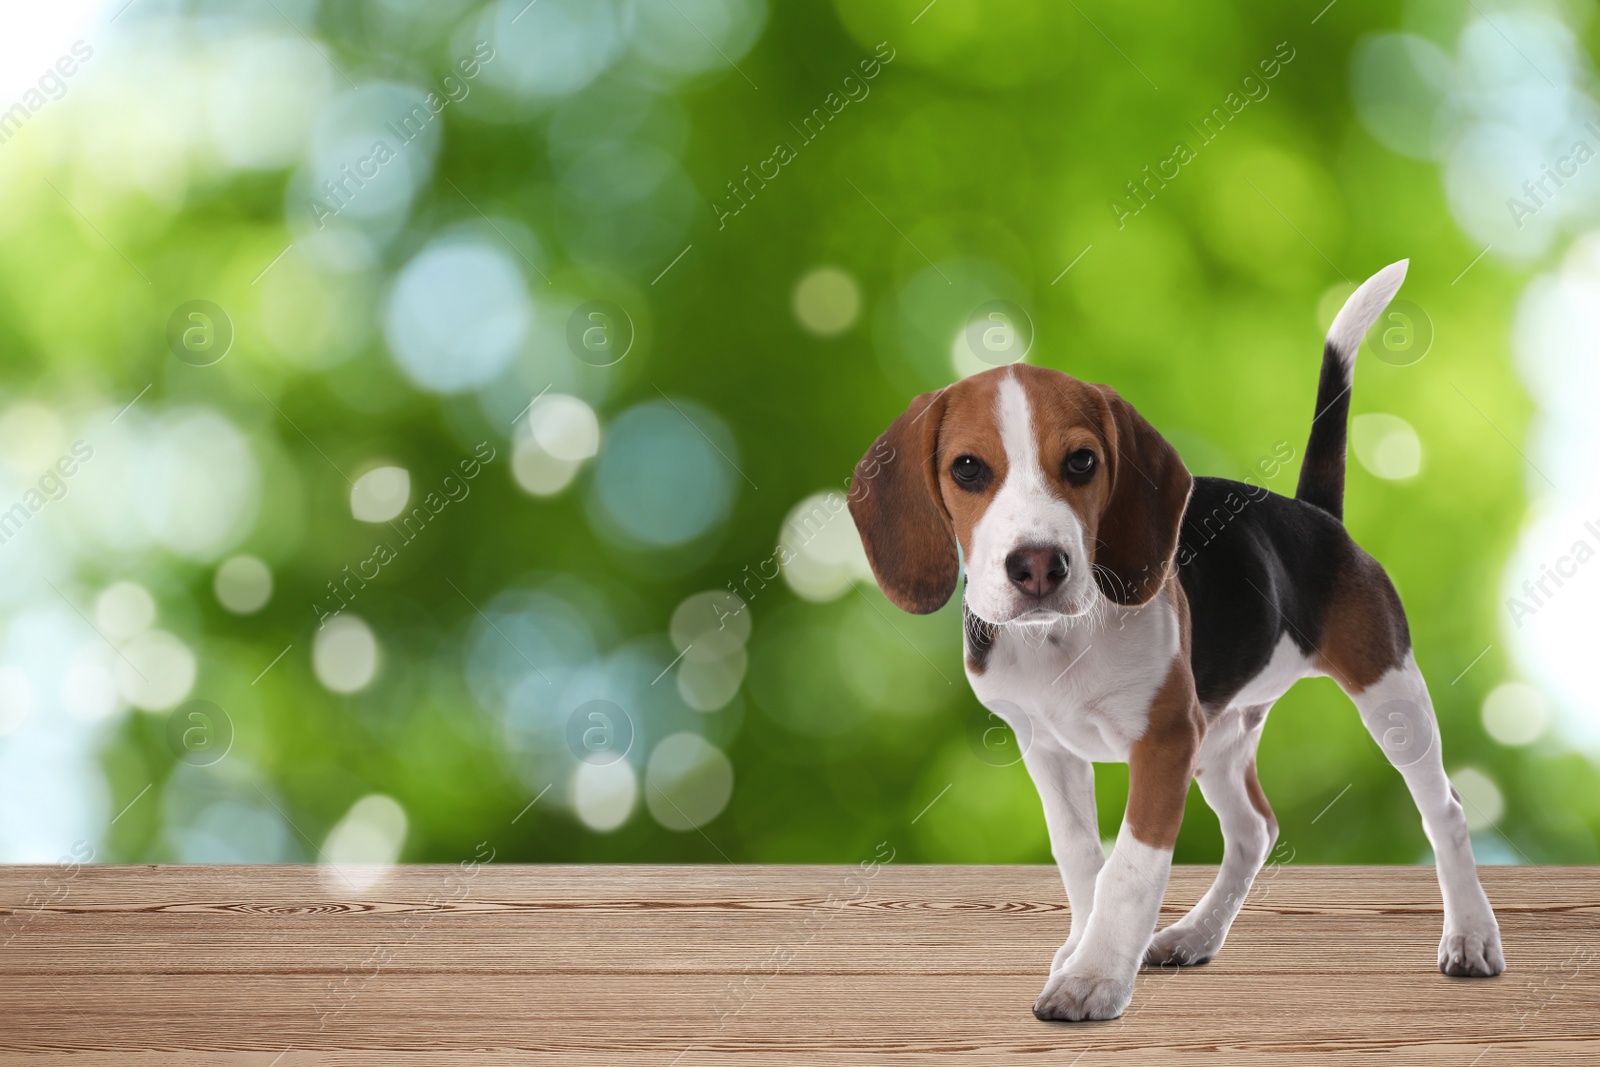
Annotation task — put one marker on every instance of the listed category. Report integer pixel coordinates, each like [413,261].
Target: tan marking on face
[970,427]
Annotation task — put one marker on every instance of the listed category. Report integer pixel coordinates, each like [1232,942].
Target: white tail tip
[1363,309]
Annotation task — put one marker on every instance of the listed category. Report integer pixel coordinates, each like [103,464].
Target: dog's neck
[1049,639]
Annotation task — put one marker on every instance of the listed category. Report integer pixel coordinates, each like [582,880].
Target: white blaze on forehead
[1016,432]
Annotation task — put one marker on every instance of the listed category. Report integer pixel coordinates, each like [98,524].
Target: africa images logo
[743,190]
[1141,192]
[412,523]
[341,189]
[51,85]
[1537,592]
[1552,180]
[52,486]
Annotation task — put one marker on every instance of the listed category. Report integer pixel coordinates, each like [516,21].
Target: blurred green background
[527,333]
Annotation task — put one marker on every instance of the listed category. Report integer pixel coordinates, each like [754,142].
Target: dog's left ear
[894,499]
[1138,532]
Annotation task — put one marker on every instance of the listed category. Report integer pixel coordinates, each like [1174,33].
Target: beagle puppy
[1117,609]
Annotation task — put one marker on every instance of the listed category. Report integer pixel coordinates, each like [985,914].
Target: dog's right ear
[894,499]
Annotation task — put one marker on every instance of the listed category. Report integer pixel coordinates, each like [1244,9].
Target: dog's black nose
[1038,572]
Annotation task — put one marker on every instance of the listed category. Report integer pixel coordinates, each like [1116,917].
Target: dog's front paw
[1181,946]
[1472,950]
[1064,953]
[1076,997]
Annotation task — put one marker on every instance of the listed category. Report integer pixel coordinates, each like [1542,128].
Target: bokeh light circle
[820,549]
[553,47]
[1386,445]
[345,654]
[707,685]
[1515,713]
[539,473]
[362,847]
[665,473]
[710,625]
[458,313]
[124,610]
[380,494]
[827,301]
[604,794]
[1397,82]
[688,37]
[920,330]
[565,427]
[155,671]
[688,781]
[710,630]
[242,584]
[216,815]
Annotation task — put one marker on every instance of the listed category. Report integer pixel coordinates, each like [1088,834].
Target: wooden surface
[682,966]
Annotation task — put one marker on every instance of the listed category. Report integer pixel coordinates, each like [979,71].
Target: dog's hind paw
[1181,946]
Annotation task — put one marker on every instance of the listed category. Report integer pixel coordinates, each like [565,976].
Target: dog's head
[1056,491]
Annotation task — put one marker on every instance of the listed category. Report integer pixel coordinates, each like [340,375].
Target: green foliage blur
[991,156]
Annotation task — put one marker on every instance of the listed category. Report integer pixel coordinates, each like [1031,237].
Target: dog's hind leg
[1366,648]
[1226,772]
[1399,714]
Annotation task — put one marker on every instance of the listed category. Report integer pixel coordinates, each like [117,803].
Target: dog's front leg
[1097,981]
[1066,790]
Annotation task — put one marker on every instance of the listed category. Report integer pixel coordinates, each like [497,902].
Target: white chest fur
[1084,684]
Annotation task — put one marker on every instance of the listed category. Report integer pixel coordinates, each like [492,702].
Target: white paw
[1076,997]
[1182,946]
[1472,949]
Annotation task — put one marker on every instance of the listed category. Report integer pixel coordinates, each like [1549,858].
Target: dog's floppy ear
[894,499]
[1138,532]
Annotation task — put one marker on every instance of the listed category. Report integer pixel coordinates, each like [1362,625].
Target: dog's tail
[1322,473]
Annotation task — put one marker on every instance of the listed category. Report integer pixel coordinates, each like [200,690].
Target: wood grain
[686,966]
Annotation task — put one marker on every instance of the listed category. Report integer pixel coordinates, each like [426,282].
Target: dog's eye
[1080,464]
[968,470]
